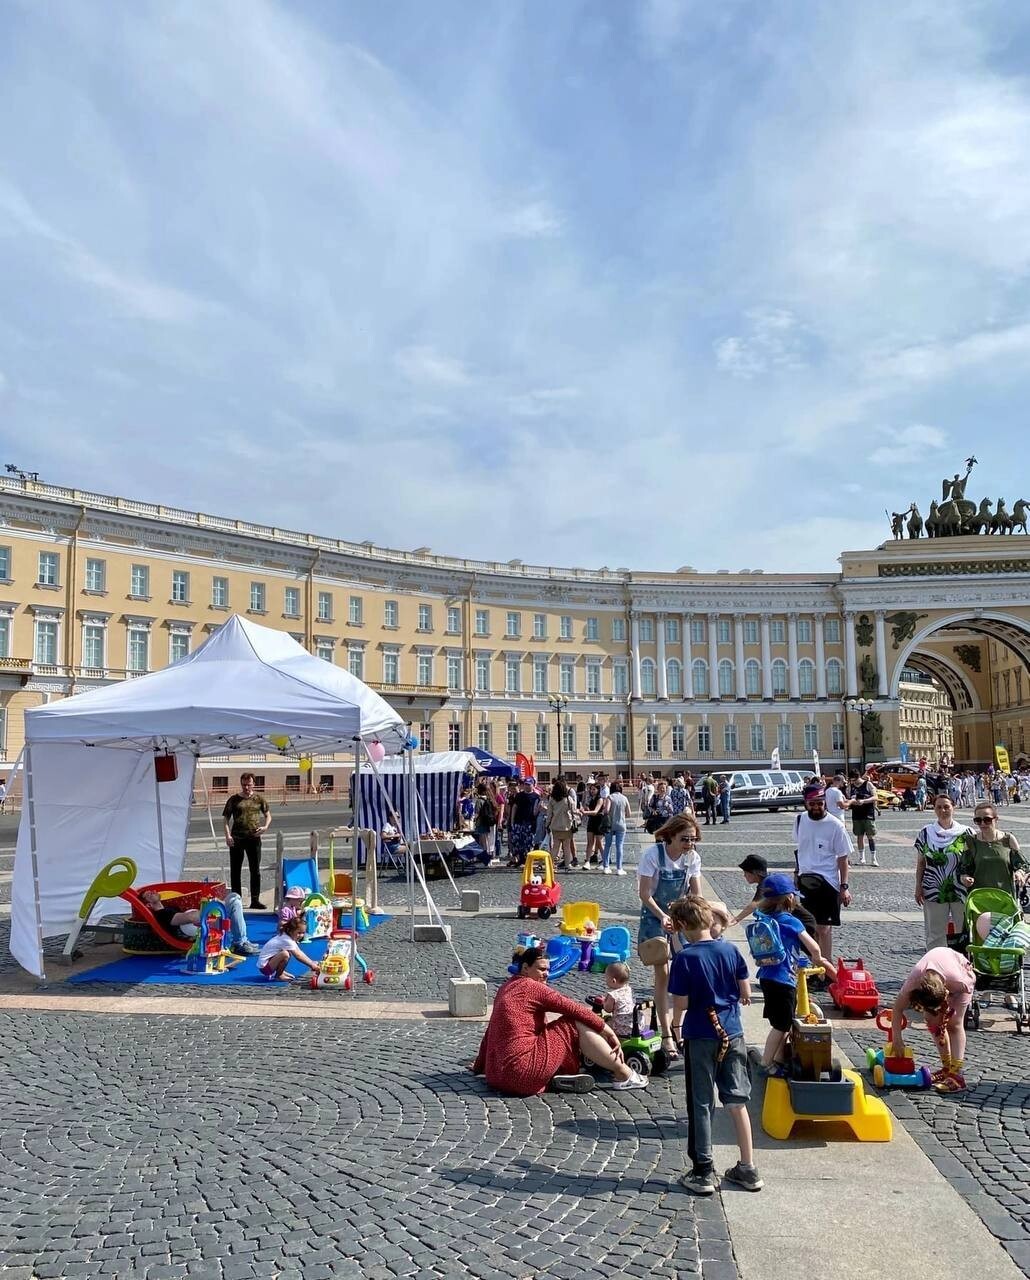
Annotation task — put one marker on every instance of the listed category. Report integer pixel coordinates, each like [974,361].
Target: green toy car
[642,1048]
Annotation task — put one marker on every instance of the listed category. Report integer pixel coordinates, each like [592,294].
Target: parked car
[761,789]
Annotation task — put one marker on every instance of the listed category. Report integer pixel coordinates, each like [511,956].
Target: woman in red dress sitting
[537,1038]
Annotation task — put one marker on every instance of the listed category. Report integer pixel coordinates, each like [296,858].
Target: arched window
[752,678]
[725,678]
[834,677]
[779,677]
[674,678]
[647,676]
[699,675]
[806,678]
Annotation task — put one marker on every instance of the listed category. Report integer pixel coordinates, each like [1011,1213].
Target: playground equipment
[210,952]
[895,1072]
[318,917]
[817,1088]
[576,916]
[541,892]
[563,953]
[853,988]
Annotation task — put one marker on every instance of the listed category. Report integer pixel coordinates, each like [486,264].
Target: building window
[453,671]
[565,627]
[620,680]
[784,740]
[49,568]
[752,678]
[482,673]
[837,737]
[679,740]
[568,735]
[722,631]
[831,630]
[729,739]
[647,679]
[697,630]
[46,643]
[567,676]
[777,631]
[757,740]
[93,637]
[453,621]
[672,630]
[139,582]
[425,736]
[220,593]
[425,617]
[324,650]
[514,739]
[619,629]
[96,575]
[5,564]
[139,649]
[257,597]
[651,738]
[704,738]
[804,631]
[454,737]
[178,646]
[512,666]
[594,739]
[750,631]
[594,679]
[325,606]
[355,611]
[811,737]
[390,614]
[674,678]
[512,625]
[725,678]
[424,667]
[356,663]
[834,677]
[539,626]
[699,677]
[482,622]
[590,631]
[539,674]
[391,668]
[806,678]
[646,630]
[5,637]
[542,736]
[621,739]
[180,586]
[779,678]
[483,737]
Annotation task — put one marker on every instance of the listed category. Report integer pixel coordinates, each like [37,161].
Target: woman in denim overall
[658,890]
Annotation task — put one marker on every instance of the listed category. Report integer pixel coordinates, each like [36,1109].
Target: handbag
[653,951]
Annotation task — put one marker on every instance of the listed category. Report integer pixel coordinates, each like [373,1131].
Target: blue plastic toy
[563,953]
[612,947]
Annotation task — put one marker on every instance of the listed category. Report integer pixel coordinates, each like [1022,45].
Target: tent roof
[244,686]
[433,762]
[493,766]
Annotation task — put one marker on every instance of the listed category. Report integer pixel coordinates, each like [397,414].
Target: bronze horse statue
[1019,515]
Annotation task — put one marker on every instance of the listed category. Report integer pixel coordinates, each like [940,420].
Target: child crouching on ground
[618,999]
[708,983]
[779,981]
[277,951]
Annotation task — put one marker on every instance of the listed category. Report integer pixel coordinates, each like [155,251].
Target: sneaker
[607,871]
[580,1082]
[245,949]
[743,1176]
[1011,1002]
[635,1081]
[257,906]
[700,1181]
[620,872]
[874,862]
[861,861]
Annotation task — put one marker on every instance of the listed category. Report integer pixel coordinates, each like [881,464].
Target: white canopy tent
[91,788]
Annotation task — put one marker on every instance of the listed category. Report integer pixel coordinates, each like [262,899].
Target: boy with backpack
[775,938]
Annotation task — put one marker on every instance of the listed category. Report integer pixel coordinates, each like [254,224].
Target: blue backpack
[765,940]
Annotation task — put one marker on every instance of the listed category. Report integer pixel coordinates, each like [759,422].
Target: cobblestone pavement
[163,1148]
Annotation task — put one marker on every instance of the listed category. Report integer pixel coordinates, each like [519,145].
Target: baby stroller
[997,960]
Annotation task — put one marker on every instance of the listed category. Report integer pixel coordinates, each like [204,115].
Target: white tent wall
[91,805]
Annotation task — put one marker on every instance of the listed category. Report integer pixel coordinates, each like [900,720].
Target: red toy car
[853,989]
[540,891]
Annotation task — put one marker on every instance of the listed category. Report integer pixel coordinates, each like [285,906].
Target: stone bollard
[432,933]
[466,997]
[470,899]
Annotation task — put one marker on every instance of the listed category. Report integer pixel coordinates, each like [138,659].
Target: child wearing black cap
[755,869]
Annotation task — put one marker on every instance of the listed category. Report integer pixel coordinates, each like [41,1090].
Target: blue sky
[641,283]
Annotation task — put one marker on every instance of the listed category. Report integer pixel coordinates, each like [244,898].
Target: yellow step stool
[868,1119]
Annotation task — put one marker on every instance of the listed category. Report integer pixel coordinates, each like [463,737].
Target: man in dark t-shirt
[863,815]
[247,817]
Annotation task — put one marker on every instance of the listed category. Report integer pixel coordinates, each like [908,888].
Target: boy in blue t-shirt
[708,983]
[779,982]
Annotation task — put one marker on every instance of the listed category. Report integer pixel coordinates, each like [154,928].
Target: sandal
[952,1083]
[677,1047]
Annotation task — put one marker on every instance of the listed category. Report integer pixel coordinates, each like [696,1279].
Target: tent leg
[355,845]
[160,820]
[30,796]
[413,842]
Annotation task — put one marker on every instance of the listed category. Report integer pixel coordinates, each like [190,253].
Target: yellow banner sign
[1001,757]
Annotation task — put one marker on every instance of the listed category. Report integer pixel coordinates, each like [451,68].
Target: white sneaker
[620,872]
[875,863]
[634,1082]
[607,871]
[861,862]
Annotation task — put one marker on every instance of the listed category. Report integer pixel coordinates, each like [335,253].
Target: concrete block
[470,899]
[466,997]
[432,933]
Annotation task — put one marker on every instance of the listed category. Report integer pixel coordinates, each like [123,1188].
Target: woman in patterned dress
[940,847]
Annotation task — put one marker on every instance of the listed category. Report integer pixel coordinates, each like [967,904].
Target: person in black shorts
[863,815]
[822,853]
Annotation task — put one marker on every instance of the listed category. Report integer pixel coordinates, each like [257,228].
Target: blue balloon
[411,743]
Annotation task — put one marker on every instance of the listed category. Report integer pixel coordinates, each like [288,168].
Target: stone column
[792,656]
[688,658]
[713,656]
[663,681]
[738,641]
[634,631]
[881,656]
[767,689]
[820,657]
[850,661]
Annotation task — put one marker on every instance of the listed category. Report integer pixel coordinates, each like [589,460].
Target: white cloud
[534,221]
[774,339]
[910,444]
[424,364]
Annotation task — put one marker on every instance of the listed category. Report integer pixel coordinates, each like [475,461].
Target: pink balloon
[376,752]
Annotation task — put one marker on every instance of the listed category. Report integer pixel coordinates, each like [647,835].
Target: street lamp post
[558,704]
[862,706]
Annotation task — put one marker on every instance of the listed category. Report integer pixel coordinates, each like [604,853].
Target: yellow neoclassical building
[618,669]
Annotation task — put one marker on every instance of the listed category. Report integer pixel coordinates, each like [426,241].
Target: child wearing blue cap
[778,980]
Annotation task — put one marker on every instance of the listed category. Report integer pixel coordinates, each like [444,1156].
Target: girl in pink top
[940,987]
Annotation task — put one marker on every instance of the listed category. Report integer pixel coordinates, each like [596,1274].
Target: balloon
[411,743]
[279,740]
[376,752]
[304,763]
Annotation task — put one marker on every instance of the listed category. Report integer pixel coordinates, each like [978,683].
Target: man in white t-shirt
[823,850]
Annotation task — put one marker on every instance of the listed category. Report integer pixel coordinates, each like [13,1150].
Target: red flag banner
[523,765]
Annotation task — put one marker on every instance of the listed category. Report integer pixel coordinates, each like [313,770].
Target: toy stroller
[998,960]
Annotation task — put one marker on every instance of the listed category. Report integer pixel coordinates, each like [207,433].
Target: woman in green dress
[992,859]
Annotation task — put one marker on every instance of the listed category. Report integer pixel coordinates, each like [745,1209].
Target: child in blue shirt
[779,981]
[708,983]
